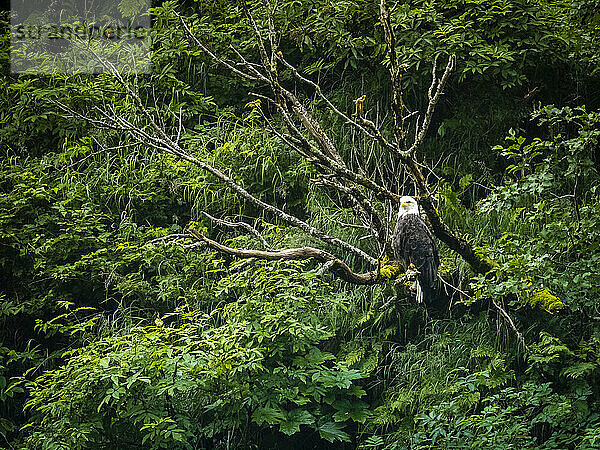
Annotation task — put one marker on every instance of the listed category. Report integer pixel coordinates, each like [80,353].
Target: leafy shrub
[193,376]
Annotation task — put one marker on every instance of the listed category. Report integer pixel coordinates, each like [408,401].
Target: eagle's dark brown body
[413,243]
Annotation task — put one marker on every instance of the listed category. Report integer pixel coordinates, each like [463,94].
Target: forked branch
[309,138]
[435,91]
[398,107]
[144,137]
[324,154]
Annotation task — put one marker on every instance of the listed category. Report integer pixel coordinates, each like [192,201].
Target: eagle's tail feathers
[427,285]
[419,295]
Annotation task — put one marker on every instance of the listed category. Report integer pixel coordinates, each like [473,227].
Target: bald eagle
[413,243]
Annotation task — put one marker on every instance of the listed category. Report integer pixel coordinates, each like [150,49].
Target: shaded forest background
[114,334]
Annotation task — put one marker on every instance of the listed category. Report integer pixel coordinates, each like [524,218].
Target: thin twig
[508,319]
[246,226]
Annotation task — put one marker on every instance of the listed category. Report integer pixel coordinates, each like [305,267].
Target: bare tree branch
[322,151]
[364,125]
[375,223]
[215,58]
[395,75]
[434,96]
[175,238]
[246,226]
[335,265]
[274,210]
[171,147]
[328,161]
[510,322]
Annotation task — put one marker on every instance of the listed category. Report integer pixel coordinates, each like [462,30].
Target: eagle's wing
[414,243]
[399,241]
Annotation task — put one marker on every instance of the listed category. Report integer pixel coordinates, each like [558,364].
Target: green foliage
[112,336]
[500,39]
[551,185]
[509,418]
[11,361]
[193,376]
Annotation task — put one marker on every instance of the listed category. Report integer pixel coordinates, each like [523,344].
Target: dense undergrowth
[113,336]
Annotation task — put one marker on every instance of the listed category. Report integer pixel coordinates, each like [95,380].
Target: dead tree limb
[511,323]
[326,154]
[335,265]
[307,136]
[374,222]
[245,226]
[395,75]
[434,93]
[168,146]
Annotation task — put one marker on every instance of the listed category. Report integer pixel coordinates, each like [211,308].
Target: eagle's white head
[408,205]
